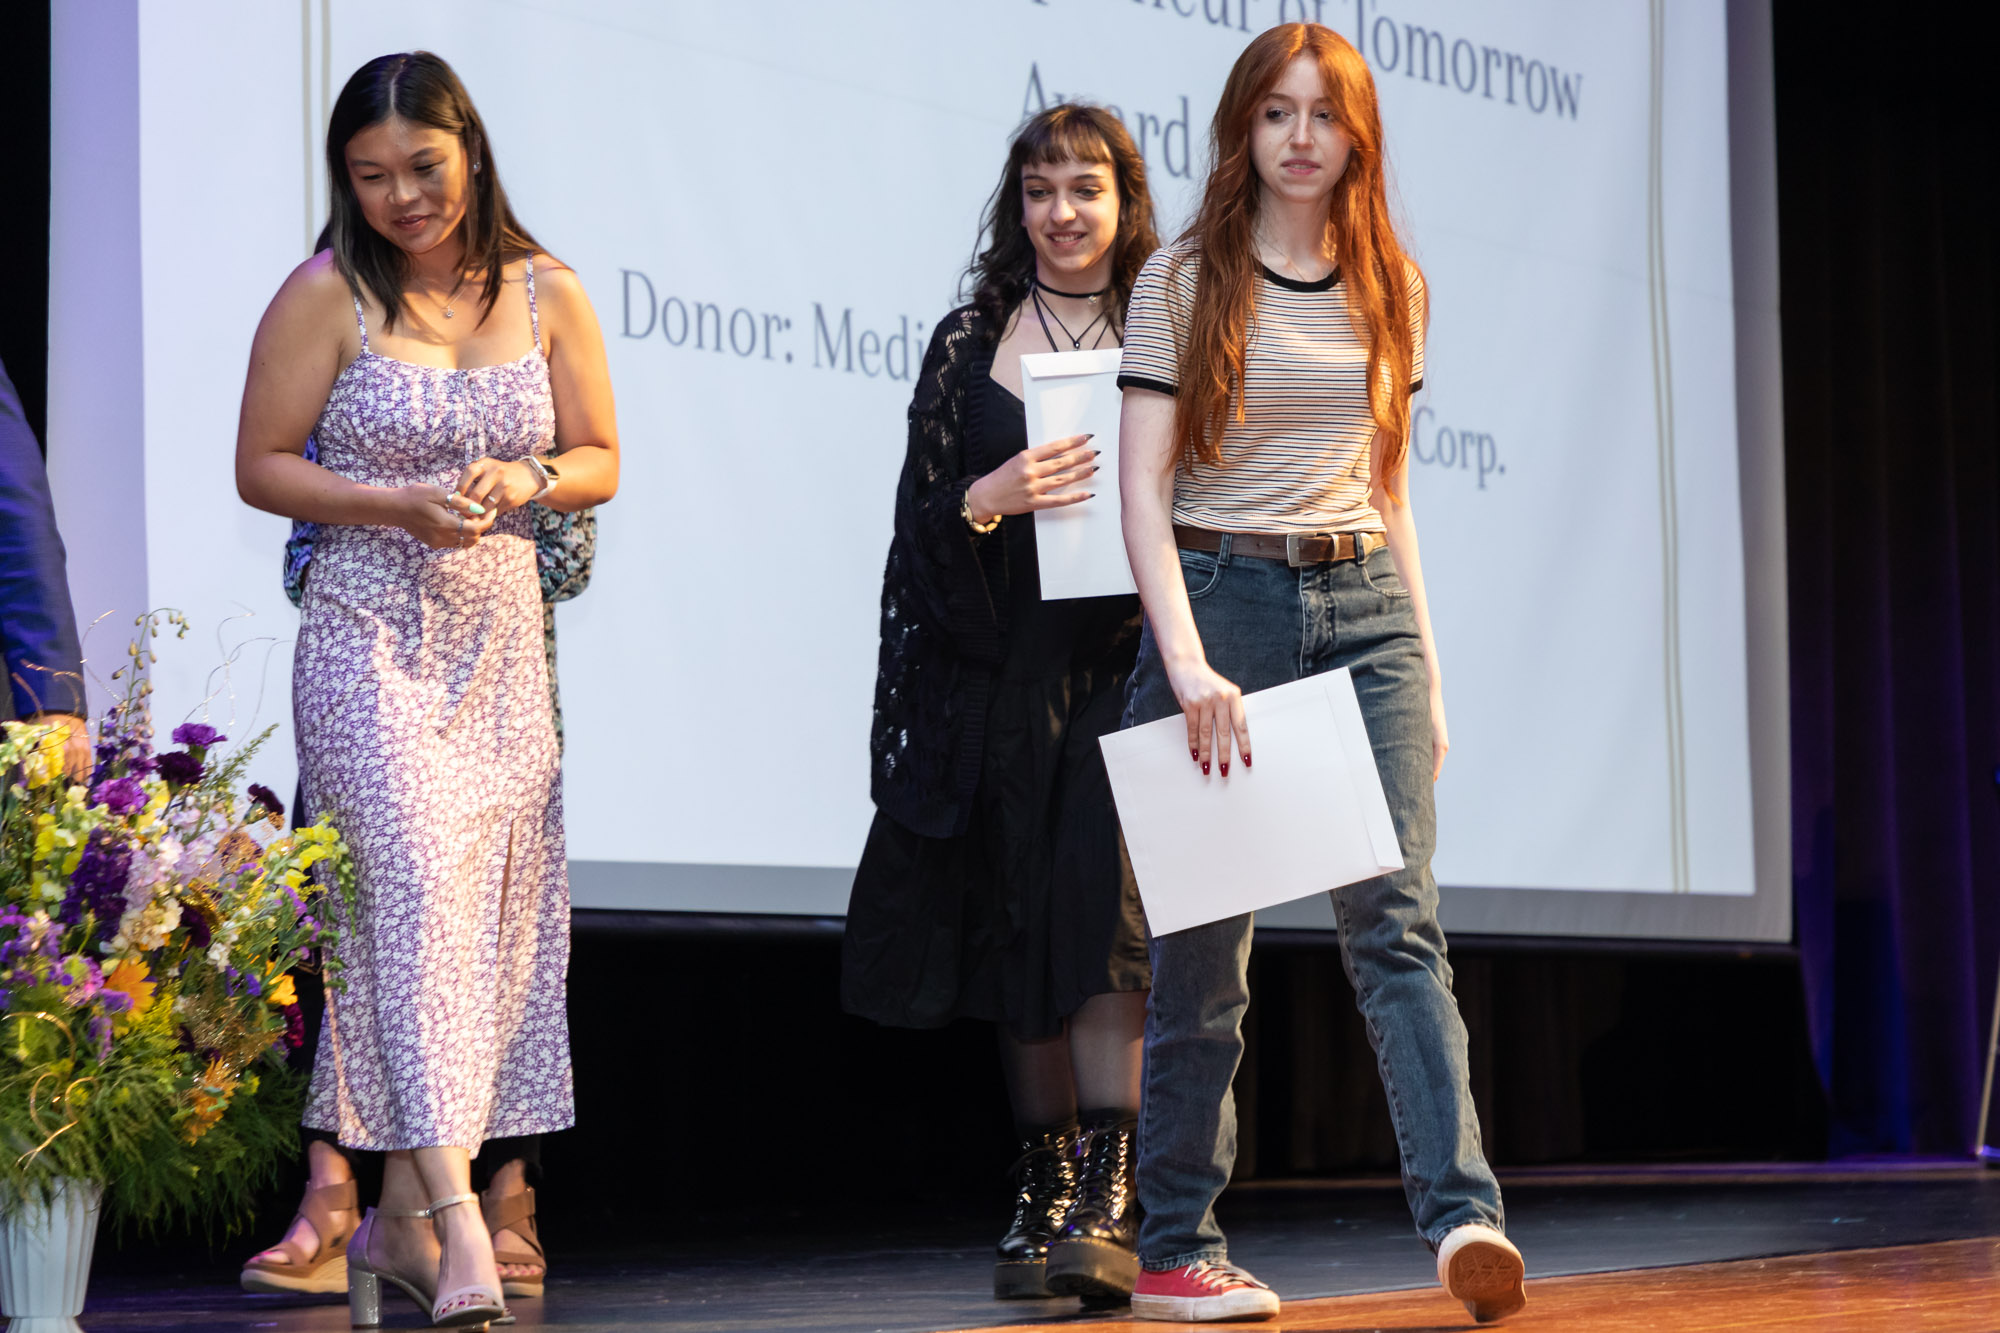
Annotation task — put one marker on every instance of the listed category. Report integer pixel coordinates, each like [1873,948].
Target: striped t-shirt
[1299,461]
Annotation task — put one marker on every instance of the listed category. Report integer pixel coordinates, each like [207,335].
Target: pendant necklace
[449,297]
[1044,313]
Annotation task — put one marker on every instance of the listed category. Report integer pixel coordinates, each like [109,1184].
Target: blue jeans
[1263,623]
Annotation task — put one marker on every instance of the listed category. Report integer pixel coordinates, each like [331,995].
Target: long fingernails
[1204,768]
[1096,452]
[1194,754]
[476,508]
[1225,768]
[1091,436]
[1246,759]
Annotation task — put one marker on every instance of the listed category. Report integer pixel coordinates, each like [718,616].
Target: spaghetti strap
[534,316]
[361,322]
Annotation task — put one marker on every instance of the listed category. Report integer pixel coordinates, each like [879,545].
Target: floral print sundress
[421,697]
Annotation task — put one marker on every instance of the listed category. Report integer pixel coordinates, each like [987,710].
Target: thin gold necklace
[445,303]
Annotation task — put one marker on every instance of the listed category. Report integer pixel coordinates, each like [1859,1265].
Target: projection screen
[771,206]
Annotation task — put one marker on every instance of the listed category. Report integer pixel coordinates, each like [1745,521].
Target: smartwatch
[547,472]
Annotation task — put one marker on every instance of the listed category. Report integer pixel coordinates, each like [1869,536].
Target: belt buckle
[1295,548]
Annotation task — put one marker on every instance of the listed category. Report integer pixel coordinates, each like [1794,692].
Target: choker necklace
[1091,297]
[1045,314]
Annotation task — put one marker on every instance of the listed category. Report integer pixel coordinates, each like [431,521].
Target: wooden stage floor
[1652,1251]
[1948,1287]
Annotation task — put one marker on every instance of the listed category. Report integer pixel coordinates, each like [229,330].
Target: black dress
[1032,909]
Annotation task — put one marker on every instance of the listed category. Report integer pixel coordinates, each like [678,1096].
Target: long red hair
[1359,235]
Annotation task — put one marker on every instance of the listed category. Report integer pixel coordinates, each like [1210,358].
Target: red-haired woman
[994,883]
[1269,360]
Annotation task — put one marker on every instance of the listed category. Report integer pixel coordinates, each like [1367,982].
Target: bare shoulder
[560,297]
[317,285]
[557,283]
[314,303]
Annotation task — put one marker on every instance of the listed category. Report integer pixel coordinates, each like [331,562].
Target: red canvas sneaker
[1202,1293]
[1482,1268]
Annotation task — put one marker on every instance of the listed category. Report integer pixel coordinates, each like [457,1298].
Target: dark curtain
[1887,159]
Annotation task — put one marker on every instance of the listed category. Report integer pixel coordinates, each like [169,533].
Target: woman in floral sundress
[451,372]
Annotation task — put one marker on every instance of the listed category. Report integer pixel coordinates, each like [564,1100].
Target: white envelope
[1309,817]
[1081,547]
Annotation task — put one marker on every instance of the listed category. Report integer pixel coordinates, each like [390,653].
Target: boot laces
[1040,1182]
[1101,1182]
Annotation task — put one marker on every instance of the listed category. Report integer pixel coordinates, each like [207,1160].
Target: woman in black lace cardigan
[994,883]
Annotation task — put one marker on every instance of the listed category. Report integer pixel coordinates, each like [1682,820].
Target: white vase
[45,1259]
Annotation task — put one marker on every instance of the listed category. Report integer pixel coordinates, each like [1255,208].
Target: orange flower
[130,977]
[210,1099]
[282,991]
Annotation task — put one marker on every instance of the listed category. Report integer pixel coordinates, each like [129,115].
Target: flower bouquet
[151,918]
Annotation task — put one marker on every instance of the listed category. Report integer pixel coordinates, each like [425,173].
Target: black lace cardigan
[943,598]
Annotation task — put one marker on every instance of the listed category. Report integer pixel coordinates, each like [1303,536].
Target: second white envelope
[1308,817]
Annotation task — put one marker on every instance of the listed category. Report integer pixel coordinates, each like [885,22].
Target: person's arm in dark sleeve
[942,553]
[37,626]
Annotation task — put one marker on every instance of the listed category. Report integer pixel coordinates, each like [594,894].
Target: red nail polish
[1246,759]
[1194,754]
[1204,768]
[1225,768]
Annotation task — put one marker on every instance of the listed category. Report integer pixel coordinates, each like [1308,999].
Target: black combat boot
[1045,1187]
[1095,1253]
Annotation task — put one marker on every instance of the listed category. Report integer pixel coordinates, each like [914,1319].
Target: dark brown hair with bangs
[1004,267]
[421,88]
[1360,236]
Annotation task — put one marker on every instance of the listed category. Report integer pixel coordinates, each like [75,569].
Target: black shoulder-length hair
[420,88]
[1004,267]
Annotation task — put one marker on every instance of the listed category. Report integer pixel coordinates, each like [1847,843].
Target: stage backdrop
[771,206]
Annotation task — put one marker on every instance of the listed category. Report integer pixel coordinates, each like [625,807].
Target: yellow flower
[282,992]
[44,763]
[130,977]
[156,800]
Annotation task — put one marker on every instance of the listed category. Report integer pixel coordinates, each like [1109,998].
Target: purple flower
[121,796]
[197,735]
[124,744]
[198,932]
[180,768]
[97,885]
[100,1032]
[88,987]
[267,798]
[295,1026]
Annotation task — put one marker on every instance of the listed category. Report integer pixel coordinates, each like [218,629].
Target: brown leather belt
[1294,548]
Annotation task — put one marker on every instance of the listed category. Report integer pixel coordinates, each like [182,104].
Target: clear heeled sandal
[473,1306]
